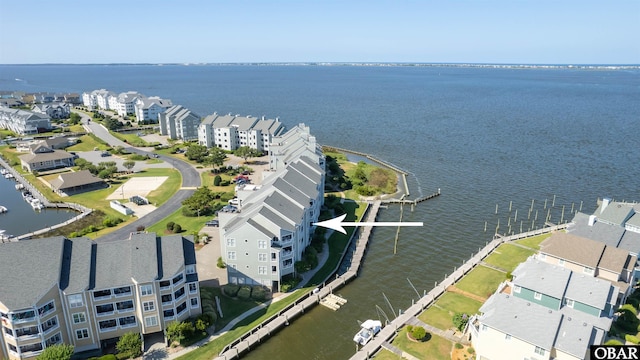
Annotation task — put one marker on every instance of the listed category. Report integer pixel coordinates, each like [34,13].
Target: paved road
[190,181]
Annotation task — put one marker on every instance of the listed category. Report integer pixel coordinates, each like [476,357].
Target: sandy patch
[140,186]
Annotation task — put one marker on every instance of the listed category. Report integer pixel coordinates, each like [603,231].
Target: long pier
[390,330]
[255,336]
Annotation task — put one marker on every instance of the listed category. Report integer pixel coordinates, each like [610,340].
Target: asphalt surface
[190,181]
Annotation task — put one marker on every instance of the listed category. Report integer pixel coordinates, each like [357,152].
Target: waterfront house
[267,233]
[147,109]
[76,182]
[230,132]
[124,103]
[88,294]
[43,158]
[593,258]
[546,312]
[23,122]
[179,123]
[615,224]
[293,144]
[53,110]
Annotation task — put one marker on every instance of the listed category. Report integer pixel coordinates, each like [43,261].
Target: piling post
[553,203]
[496,209]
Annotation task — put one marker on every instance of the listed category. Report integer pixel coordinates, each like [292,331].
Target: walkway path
[447,334]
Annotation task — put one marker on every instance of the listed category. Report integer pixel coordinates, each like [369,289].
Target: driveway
[207,258]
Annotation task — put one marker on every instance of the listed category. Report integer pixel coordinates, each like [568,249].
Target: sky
[426,31]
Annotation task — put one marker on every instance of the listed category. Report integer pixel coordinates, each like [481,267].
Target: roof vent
[549,311]
[569,318]
[584,324]
[528,304]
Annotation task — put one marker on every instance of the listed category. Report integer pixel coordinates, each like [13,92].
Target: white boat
[3,209]
[3,171]
[368,330]
[36,204]
[19,186]
[8,176]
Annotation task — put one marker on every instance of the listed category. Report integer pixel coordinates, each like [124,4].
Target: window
[274,256]
[47,308]
[125,305]
[148,306]
[75,300]
[194,302]
[507,337]
[569,302]
[166,298]
[182,307]
[561,262]
[104,309]
[274,268]
[177,279]
[107,325]
[82,334]
[151,321]
[232,267]
[193,288]
[55,339]
[484,327]
[50,324]
[231,255]
[165,284]
[262,257]
[146,290]
[231,242]
[539,351]
[168,313]
[122,291]
[537,296]
[101,293]
[262,270]
[79,318]
[190,269]
[262,244]
[178,294]
[128,321]
[517,289]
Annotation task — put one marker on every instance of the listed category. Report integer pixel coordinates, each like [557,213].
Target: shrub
[217,180]
[471,350]
[170,225]
[177,228]
[613,342]
[130,345]
[140,228]
[632,339]
[258,293]
[178,331]
[245,292]
[221,264]
[418,333]
[459,346]
[224,183]
[409,328]
[460,320]
[57,352]
[231,289]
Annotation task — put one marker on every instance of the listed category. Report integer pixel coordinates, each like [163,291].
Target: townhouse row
[24,122]
[263,239]
[127,103]
[88,294]
[563,299]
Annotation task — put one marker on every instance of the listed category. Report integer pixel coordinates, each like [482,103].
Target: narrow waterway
[21,218]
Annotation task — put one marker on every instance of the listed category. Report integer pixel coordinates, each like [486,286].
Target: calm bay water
[484,136]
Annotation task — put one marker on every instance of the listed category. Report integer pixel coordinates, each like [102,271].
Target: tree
[56,352]
[196,152]
[130,345]
[129,164]
[246,152]
[200,203]
[75,119]
[178,331]
[217,180]
[418,333]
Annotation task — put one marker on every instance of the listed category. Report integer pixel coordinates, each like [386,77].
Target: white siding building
[179,123]
[147,109]
[230,132]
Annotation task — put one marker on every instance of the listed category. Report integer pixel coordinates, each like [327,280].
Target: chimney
[592,220]
[605,203]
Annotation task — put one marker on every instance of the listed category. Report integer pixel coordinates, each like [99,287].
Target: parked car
[212,223]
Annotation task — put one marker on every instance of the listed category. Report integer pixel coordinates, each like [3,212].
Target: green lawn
[189,224]
[508,256]
[434,348]
[481,281]
[132,139]
[88,143]
[386,355]
[448,304]
[206,177]
[533,242]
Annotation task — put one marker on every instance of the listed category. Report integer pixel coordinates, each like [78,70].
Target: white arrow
[337,223]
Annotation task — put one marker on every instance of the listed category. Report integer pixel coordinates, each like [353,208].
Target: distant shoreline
[371,64]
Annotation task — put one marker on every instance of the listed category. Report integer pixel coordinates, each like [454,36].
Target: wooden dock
[333,302]
[414,201]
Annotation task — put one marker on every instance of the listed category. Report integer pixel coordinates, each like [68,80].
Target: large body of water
[484,136]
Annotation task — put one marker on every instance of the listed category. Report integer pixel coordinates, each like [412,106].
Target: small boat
[8,176]
[19,186]
[3,171]
[3,209]
[368,330]
[36,204]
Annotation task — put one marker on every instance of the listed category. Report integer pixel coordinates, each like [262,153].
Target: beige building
[88,294]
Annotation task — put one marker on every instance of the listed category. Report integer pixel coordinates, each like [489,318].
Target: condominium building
[53,110]
[87,294]
[179,123]
[230,132]
[261,242]
[124,103]
[23,122]
[147,109]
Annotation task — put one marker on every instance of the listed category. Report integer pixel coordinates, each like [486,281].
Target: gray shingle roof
[527,321]
[614,212]
[542,277]
[574,337]
[29,270]
[78,178]
[591,290]
[277,219]
[172,255]
[80,276]
[284,206]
